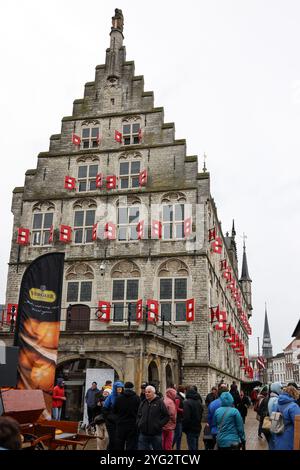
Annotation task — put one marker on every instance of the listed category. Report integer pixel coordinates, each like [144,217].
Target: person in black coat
[243,405]
[192,415]
[151,418]
[125,408]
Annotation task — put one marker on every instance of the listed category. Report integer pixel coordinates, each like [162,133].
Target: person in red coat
[58,398]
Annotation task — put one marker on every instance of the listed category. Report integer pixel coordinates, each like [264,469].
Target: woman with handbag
[231,434]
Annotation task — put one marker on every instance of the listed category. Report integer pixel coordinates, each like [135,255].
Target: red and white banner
[103,312]
[152,306]
[190,310]
[23,236]
[70,183]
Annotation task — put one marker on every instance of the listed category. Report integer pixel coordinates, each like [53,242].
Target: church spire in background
[267,348]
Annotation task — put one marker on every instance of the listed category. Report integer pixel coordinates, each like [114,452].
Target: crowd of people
[276,407]
[126,420]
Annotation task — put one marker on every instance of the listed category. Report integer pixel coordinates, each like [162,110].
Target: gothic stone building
[118,194]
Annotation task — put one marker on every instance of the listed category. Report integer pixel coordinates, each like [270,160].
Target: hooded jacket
[230,425]
[126,407]
[169,401]
[192,413]
[110,400]
[108,405]
[288,407]
[276,389]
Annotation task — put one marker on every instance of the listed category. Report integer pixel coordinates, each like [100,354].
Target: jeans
[192,440]
[177,435]
[126,437]
[150,442]
[56,413]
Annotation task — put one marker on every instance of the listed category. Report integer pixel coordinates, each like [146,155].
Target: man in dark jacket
[152,416]
[192,415]
[125,408]
[213,395]
[91,399]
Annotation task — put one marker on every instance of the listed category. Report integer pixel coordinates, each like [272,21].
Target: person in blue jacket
[287,405]
[212,407]
[228,420]
[109,414]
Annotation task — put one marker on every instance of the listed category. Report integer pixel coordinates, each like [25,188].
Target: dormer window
[90,137]
[131,134]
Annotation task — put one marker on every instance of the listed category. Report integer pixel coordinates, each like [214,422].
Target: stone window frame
[131,136]
[125,300]
[173,199]
[129,157]
[84,205]
[89,180]
[86,229]
[127,203]
[173,300]
[174,269]
[42,208]
[90,125]
[79,298]
[125,270]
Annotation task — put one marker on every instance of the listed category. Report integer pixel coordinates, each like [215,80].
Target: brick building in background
[118,194]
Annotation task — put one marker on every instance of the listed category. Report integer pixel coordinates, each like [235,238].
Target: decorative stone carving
[131,119]
[79,271]
[112,83]
[128,201]
[130,155]
[43,206]
[89,122]
[88,159]
[125,269]
[173,197]
[173,267]
[85,203]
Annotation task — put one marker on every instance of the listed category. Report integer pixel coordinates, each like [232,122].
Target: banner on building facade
[38,322]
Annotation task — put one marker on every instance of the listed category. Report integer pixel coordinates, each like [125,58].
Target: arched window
[42,222]
[131,130]
[90,134]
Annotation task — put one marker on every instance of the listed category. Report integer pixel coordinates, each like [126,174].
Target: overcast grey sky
[227,73]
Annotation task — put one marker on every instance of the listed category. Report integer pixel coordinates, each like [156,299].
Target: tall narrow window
[87,177]
[124,296]
[90,137]
[173,221]
[128,218]
[41,228]
[83,226]
[131,134]
[173,295]
[129,174]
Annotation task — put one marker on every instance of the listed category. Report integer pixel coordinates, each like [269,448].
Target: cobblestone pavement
[253,442]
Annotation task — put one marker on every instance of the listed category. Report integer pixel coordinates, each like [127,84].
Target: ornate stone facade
[189,352]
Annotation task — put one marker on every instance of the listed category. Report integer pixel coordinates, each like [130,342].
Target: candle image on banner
[38,323]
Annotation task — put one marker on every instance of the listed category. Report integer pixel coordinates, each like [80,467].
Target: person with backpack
[283,419]
[229,423]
